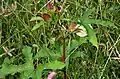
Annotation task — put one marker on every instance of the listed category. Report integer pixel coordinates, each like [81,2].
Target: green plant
[69,48]
[59,39]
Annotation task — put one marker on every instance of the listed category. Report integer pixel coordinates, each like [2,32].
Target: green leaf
[77,54]
[52,65]
[45,52]
[58,47]
[55,56]
[85,19]
[87,13]
[26,74]
[101,22]
[38,73]
[27,53]
[38,25]
[41,53]
[75,43]
[55,65]
[8,68]
[11,69]
[36,18]
[91,35]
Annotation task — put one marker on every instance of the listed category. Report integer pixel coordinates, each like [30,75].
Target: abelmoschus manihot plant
[63,44]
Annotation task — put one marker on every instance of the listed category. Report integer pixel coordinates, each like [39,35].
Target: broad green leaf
[8,68]
[41,53]
[36,18]
[45,52]
[72,45]
[11,69]
[38,25]
[55,65]
[27,74]
[1,76]
[91,35]
[85,19]
[27,53]
[39,70]
[75,43]
[87,13]
[77,54]
[55,56]
[58,47]
[101,22]
[33,75]
[22,76]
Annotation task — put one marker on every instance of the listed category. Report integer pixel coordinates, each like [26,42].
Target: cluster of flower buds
[51,8]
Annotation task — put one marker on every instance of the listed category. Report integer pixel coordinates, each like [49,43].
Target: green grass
[90,63]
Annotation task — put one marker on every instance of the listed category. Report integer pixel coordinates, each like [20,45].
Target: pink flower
[51,75]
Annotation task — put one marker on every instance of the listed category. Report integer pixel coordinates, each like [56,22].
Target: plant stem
[63,57]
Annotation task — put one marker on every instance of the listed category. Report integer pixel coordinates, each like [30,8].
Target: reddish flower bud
[72,27]
[51,75]
[50,6]
[46,16]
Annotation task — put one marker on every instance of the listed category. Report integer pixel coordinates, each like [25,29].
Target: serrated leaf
[39,70]
[55,65]
[27,74]
[36,18]
[8,68]
[38,25]
[41,53]
[11,69]
[91,35]
[87,13]
[27,53]
[45,52]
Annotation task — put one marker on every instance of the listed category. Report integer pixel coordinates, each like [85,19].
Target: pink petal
[51,75]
